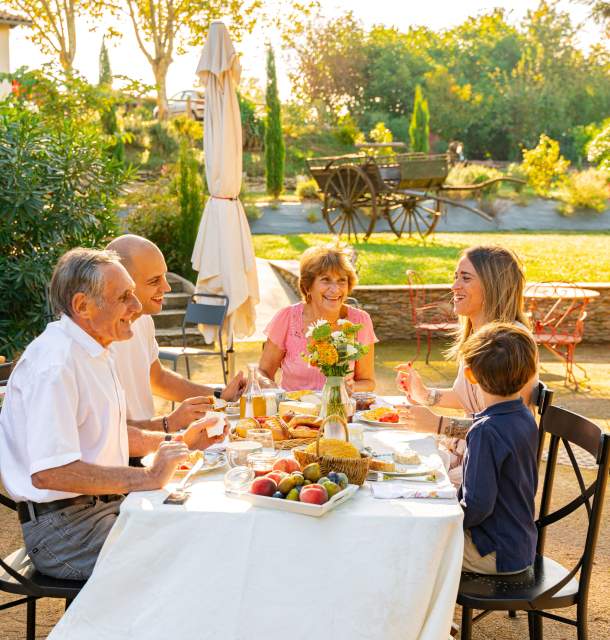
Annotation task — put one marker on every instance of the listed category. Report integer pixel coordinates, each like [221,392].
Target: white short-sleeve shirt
[133,359]
[63,403]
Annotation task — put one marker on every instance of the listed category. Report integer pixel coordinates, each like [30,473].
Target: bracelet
[217,393]
[440,426]
[165,423]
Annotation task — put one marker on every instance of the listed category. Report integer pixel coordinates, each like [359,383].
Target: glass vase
[335,399]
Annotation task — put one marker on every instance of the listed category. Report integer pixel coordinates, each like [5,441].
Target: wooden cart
[408,189]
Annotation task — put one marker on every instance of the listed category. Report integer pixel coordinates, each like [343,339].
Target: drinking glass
[237,452]
[261,463]
[264,436]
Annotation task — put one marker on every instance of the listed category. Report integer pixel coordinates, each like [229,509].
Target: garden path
[291,217]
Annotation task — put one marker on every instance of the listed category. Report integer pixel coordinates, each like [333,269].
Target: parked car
[179,103]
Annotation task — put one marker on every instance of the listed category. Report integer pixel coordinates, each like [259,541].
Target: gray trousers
[66,543]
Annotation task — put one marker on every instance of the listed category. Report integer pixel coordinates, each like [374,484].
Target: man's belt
[40,508]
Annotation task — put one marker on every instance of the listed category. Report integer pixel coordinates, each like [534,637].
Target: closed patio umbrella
[223,254]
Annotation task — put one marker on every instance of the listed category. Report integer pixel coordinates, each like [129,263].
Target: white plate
[216,461]
[427,465]
[303,508]
[377,424]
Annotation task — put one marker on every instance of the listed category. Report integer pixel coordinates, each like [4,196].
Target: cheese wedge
[301,408]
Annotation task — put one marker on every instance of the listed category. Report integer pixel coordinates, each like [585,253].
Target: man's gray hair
[79,271]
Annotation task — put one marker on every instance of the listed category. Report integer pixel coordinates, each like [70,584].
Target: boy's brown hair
[502,357]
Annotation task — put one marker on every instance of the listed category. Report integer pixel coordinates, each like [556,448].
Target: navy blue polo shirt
[499,485]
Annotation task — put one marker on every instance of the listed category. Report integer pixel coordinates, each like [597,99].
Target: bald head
[146,265]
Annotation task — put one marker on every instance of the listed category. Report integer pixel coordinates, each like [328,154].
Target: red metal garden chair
[428,318]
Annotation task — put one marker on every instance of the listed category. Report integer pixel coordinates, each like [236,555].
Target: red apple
[314,494]
[276,476]
[288,465]
[263,486]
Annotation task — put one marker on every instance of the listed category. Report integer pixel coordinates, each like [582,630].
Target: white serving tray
[298,507]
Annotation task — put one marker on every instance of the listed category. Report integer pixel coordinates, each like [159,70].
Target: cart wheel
[350,203]
[414,214]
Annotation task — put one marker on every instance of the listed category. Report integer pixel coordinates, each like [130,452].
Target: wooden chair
[429,318]
[201,313]
[548,585]
[19,577]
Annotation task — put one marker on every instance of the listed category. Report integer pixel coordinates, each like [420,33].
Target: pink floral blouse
[286,331]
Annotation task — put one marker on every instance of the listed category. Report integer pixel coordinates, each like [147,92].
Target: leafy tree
[598,150]
[419,129]
[275,151]
[54,25]
[57,191]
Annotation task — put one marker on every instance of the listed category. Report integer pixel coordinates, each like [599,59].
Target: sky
[127,59]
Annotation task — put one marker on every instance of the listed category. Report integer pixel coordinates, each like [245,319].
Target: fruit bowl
[303,508]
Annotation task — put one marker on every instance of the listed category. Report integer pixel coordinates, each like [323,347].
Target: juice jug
[252,403]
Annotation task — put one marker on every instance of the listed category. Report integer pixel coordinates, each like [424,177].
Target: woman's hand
[419,419]
[410,382]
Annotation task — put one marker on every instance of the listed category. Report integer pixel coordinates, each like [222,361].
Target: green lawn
[566,256]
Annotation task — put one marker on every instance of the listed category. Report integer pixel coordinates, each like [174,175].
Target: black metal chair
[200,313]
[19,577]
[544,399]
[548,585]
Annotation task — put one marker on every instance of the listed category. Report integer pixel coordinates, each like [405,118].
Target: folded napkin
[391,489]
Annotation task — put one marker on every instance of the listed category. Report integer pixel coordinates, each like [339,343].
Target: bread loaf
[298,408]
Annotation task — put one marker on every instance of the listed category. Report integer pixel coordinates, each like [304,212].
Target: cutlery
[194,469]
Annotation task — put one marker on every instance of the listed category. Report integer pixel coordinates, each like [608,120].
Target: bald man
[137,359]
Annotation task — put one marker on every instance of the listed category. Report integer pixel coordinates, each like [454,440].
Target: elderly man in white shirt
[64,439]
[138,365]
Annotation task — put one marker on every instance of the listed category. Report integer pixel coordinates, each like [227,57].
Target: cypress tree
[190,198]
[419,129]
[108,114]
[274,142]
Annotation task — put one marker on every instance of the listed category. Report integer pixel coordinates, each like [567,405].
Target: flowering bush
[332,351]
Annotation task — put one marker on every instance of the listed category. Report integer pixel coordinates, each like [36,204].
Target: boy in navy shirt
[500,474]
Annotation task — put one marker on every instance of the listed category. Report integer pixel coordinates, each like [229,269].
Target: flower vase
[335,401]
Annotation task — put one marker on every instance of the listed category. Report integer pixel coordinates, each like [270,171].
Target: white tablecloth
[218,568]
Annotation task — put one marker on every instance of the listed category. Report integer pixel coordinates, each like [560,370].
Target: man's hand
[167,458]
[235,388]
[190,410]
[196,436]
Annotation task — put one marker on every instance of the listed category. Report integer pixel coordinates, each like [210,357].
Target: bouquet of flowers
[332,351]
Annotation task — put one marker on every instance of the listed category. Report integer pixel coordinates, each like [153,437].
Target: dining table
[221,568]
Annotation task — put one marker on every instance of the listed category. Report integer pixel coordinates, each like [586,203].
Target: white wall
[5,67]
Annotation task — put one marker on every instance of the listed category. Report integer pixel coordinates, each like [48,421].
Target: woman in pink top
[326,280]
[488,286]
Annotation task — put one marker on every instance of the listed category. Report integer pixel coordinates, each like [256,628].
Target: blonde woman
[488,287]
[327,277]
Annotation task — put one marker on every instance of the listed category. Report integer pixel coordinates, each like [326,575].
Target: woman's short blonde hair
[320,260]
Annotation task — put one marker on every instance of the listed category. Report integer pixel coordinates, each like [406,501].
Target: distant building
[7,22]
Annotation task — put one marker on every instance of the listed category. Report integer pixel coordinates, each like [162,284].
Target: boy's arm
[481,471]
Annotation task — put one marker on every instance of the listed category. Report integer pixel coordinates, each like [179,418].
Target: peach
[276,476]
[288,465]
[263,486]
[314,494]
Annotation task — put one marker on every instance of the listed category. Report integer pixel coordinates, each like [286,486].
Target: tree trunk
[160,71]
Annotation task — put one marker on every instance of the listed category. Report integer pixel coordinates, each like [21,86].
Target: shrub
[463,174]
[312,216]
[598,150]
[307,189]
[584,190]
[190,197]
[347,131]
[544,165]
[252,211]
[57,191]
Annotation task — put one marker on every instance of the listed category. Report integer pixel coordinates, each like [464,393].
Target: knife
[194,469]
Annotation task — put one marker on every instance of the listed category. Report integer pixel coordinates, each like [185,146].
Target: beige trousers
[474,562]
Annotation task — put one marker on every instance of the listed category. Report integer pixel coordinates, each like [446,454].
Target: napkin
[391,489]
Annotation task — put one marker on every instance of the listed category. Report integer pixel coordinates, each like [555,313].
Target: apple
[314,494]
[287,465]
[263,486]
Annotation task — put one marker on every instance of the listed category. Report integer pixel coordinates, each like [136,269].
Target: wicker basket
[356,469]
[280,445]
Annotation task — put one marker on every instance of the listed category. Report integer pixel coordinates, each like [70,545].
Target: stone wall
[390,309]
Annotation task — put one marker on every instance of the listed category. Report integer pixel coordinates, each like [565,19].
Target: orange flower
[327,354]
